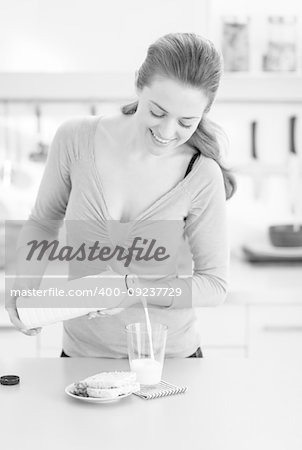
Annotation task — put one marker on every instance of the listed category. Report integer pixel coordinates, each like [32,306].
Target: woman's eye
[155,115]
[159,116]
[185,126]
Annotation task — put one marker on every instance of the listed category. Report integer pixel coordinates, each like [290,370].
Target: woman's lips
[160,140]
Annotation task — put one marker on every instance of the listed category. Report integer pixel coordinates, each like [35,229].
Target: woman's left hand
[128,300]
[105,313]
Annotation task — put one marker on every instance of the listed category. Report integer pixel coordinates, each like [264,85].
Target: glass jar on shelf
[281,48]
[235,43]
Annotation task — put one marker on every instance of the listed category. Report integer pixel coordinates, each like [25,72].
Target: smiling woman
[183,72]
[156,162]
[171,111]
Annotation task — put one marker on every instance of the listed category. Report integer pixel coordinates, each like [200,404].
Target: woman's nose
[167,129]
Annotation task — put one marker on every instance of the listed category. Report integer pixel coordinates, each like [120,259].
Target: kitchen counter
[229,405]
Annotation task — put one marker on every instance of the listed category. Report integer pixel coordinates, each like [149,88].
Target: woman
[157,161]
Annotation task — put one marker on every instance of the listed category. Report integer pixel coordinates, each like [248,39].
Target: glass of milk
[146,351]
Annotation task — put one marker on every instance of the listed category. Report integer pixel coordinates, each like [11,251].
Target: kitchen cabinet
[251,330]
[275,331]
[256,331]
[223,331]
[262,315]
[13,343]
[222,325]
[224,352]
[50,341]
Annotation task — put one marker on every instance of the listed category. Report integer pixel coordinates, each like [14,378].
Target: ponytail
[205,141]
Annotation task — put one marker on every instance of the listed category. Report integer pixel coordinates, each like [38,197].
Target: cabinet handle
[282,328]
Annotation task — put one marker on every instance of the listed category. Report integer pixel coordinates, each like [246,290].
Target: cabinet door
[14,344]
[50,344]
[222,326]
[224,352]
[275,331]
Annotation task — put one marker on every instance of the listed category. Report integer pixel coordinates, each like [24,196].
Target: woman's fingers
[31,331]
[92,315]
[105,313]
[111,312]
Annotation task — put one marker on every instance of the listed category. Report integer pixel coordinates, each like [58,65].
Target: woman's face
[168,114]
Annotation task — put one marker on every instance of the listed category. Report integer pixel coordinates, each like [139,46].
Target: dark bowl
[286,235]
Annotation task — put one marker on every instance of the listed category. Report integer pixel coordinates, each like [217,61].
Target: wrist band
[127,287]
[130,290]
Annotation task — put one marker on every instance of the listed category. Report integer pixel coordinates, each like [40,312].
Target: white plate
[70,388]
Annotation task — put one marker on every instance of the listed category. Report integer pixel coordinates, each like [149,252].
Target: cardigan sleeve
[49,210]
[206,231]
[52,199]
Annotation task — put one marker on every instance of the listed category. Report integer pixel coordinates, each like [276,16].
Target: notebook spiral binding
[163,389]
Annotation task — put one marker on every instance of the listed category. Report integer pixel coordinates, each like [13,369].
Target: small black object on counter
[9,380]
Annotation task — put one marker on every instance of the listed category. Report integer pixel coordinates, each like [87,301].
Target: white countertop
[229,405]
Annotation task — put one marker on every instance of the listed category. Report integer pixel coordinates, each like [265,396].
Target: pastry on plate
[107,385]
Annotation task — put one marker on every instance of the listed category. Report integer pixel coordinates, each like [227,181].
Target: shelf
[66,87]
[261,88]
[118,87]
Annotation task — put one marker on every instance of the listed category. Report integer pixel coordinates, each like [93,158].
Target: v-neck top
[145,214]
[71,189]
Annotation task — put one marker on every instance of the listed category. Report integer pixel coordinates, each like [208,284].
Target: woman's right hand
[11,308]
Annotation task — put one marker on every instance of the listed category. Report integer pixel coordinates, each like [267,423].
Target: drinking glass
[146,351]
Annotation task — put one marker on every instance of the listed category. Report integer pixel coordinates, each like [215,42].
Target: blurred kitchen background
[64,58]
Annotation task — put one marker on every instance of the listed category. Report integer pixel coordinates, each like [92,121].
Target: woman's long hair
[194,61]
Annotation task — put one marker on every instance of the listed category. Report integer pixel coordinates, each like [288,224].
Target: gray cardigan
[71,189]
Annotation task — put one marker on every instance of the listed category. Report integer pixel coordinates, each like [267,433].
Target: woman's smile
[167,115]
[159,140]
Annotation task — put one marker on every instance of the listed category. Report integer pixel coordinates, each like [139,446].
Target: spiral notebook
[162,389]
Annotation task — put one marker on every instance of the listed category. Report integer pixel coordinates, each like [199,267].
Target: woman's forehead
[173,96]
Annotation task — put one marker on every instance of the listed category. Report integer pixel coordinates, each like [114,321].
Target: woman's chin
[156,148]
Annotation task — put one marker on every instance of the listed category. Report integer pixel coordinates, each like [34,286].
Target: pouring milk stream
[148,370]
